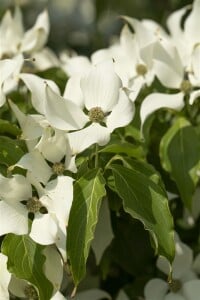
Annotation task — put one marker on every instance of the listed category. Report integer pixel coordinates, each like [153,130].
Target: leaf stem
[96,161]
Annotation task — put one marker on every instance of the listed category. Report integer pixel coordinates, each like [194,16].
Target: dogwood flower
[134,68]
[16,40]
[185,284]
[186,37]
[106,103]
[56,197]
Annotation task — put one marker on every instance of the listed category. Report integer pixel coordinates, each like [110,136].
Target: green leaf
[9,128]
[10,152]
[25,260]
[144,168]
[180,156]
[88,193]
[146,201]
[126,148]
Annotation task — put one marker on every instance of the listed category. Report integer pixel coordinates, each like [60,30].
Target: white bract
[4,277]
[9,70]
[16,40]
[106,103]
[185,284]
[47,228]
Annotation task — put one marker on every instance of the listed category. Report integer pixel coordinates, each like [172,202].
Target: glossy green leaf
[144,168]
[146,201]
[88,193]
[180,156]
[9,128]
[125,148]
[10,152]
[25,260]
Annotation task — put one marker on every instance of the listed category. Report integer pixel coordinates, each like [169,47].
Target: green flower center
[186,86]
[96,115]
[30,292]
[33,205]
[141,69]
[175,285]
[58,168]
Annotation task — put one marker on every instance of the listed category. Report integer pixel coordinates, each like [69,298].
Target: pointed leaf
[88,193]
[25,261]
[180,156]
[146,201]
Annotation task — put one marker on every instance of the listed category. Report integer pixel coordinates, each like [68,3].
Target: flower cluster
[62,130]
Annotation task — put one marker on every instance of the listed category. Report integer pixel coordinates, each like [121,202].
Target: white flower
[35,163]
[13,214]
[47,228]
[16,40]
[37,87]
[9,70]
[156,101]
[57,197]
[107,105]
[185,37]
[184,285]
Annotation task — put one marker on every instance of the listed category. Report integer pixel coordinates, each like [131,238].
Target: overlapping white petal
[11,28]
[191,289]
[101,87]
[36,164]
[15,189]
[182,262]
[82,139]
[36,37]
[63,114]
[53,146]
[76,65]
[30,124]
[73,90]
[9,69]
[122,113]
[155,289]
[156,101]
[4,277]
[58,197]
[37,87]
[44,229]
[13,218]
[53,271]
[193,96]
[192,23]
[173,296]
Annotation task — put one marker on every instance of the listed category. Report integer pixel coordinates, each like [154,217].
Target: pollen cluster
[96,115]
